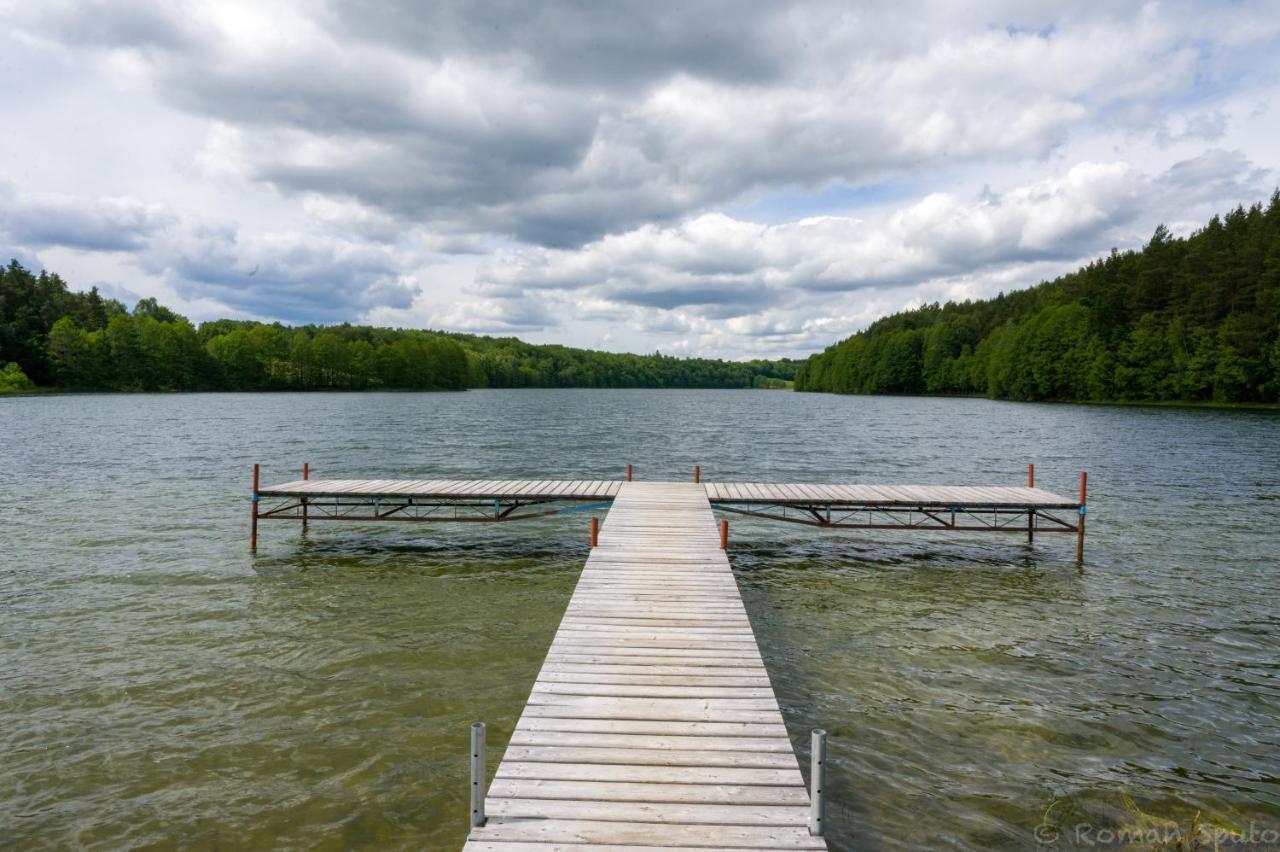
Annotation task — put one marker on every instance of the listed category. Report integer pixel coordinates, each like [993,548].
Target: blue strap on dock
[585,508]
[253,498]
[1082,510]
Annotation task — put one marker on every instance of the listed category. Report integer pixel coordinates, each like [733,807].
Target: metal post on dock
[724,535]
[306,474]
[253,528]
[595,531]
[477,774]
[1031,515]
[817,780]
[1084,483]
[628,473]
[697,473]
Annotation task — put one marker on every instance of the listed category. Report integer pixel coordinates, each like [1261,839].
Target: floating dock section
[924,508]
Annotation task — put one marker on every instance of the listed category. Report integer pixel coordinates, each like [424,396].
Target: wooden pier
[652,724]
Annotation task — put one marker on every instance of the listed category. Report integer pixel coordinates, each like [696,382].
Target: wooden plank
[636,835]
[733,775]
[658,728]
[686,813]
[629,791]
[650,756]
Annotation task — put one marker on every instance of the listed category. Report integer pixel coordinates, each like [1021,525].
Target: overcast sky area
[701,178]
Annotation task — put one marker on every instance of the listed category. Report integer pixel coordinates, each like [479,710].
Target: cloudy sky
[728,179]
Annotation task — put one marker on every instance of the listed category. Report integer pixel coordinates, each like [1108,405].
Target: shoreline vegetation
[1192,320]
[53,338]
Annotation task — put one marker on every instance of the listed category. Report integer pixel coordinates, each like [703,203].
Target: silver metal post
[817,780]
[477,774]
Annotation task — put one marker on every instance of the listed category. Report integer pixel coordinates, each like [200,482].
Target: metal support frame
[921,516]
[402,508]
[939,517]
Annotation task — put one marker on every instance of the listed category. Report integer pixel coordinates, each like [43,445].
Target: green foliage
[13,380]
[1195,319]
[78,340]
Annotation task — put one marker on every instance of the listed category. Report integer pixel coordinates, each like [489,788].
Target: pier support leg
[724,535]
[817,781]
[1031,516]
[253,525]
[595,532]
[1084,483]
[628,473]
[697,473]
[477,774]
[306,474]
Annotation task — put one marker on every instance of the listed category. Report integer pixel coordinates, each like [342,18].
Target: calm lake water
[159,687]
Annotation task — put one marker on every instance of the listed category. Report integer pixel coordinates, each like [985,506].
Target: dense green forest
[53,336]
[1193,319]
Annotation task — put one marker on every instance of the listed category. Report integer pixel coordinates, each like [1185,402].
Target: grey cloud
[720,300]
[89,224]
[302,280]
[1217,176]
[589,45]
[113,23]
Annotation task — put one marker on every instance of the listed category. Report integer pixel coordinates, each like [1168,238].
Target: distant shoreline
[1124,403]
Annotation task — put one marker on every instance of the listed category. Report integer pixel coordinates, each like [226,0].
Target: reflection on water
[162,687]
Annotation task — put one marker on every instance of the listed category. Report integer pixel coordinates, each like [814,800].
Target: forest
[1194,319]
[55,337]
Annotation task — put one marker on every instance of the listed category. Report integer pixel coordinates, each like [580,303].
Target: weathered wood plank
[636,835]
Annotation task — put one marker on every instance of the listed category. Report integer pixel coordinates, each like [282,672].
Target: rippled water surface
[159,687]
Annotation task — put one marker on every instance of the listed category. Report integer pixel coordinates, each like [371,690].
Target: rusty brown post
[697,473]
[253,528]
[306,474]
[724,535]
[1031,516]
[595,531]
[628,473]
[1084,483]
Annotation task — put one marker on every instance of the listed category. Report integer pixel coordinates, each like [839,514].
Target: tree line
[1183,319]
[53,336]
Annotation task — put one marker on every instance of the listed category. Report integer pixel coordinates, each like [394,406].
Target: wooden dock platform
[652,724]
[946,508]
[448,489]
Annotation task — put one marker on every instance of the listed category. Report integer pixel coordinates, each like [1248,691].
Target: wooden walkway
[974,497]
[521,489]
[652,724]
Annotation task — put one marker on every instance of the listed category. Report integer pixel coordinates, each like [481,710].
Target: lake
[159,686]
